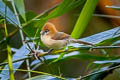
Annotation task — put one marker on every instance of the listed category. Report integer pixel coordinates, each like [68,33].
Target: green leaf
[113,7]
[1,21]
[84,18]
[107,61]
[31,29]
[11,18]
[42,77]
[104,37]
[20,7]
[116,42]
[90,57]
[109,40]
[102,72]
[60,57]
[64,7]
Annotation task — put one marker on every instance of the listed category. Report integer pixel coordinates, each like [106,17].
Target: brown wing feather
[60,36]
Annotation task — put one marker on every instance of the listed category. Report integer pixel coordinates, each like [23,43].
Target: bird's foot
[37,54]
[91,49]
[50,50]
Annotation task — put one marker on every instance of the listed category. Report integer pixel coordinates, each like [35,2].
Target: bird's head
[48,29]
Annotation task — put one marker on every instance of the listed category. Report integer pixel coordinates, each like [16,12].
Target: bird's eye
[46,30]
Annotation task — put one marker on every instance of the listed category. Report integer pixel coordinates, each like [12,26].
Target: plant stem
[21,33]
[17,17]
[70,50]
[41,14]
[38,73]
[11,74]
[4,63]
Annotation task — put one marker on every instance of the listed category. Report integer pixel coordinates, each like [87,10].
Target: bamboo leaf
[42,77]
[64,7]
[84,18]
[9,16]
[21,8]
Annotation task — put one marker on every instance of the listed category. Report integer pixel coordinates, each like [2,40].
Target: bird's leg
[50,50]
[35,55]
[44,60]
[92,48]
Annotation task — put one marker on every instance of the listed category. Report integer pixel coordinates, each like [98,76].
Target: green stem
[4,63]
[11,74]
[17,17]
[21,32]
[38,73]
[70,50]
[84,18]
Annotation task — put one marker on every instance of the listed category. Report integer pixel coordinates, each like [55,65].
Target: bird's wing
[60,36]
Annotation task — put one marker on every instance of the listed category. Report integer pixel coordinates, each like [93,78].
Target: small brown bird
[54,39]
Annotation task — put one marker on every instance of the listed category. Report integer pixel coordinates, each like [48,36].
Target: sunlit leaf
[43,77]
[64,7]
[107,61]
[116,42]
[113,7]
[84,18]
[9,14]
[103,37]
[20,7]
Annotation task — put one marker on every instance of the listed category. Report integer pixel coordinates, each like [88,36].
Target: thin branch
[23,70]
[21,32]
[2,64]
[11,74]
[106,16]
[41,14]
[77,49]
[18,20]
[61,51]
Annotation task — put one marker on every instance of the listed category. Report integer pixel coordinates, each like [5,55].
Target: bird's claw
[91,49]
[49,51]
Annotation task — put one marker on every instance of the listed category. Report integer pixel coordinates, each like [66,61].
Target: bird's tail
[81,42]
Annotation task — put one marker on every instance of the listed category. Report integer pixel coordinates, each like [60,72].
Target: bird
[54,39]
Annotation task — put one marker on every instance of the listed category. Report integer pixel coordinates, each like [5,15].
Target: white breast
[55,44]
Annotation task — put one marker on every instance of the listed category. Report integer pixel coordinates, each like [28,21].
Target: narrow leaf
[21,8]
[9,16]
[64,7]
[84,18]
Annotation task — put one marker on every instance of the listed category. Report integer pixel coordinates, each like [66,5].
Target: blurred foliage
[103,61]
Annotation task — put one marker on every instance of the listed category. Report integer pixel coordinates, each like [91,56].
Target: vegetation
[103,58]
